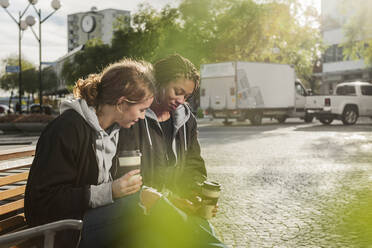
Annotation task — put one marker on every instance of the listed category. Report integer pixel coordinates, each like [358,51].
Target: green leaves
[207,31]
[30,77]
[357,30]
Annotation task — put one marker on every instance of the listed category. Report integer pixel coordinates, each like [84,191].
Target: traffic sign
[48,63]
[12,68]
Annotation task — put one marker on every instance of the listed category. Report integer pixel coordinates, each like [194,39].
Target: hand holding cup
[210,195]
[128,184]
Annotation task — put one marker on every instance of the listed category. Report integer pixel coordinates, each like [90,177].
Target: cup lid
[130,153]
[212,185]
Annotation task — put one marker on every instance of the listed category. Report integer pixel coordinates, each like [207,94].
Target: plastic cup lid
[212,185]
[130,153]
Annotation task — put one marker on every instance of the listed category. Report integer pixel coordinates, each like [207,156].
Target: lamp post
[30,20]
[22,25]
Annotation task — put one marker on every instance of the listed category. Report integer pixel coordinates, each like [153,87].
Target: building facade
[84,26]
[337,68]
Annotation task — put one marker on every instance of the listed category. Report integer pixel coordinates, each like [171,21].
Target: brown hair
[175,67]
[129,78]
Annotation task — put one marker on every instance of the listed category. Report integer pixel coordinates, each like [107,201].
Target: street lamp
[22,25]
[30,20]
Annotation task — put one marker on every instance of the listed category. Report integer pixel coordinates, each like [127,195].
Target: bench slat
[12,192]
[12,223]
[17,153]
[13,178]
[15,164]
[9,207]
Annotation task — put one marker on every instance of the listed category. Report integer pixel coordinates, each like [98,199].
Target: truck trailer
[251,90]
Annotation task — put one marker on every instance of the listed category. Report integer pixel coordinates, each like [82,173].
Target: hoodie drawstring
[184,136]
[148,132]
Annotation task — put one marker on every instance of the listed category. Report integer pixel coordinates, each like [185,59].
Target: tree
[30,77]
[50,80]
[10,81]
[149,35]
[357,30]
[92,59]
[207,31]
[249,31]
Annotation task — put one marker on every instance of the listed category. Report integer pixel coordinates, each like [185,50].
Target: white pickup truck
[349,101]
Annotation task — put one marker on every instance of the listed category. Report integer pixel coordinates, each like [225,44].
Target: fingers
[214,211]
[127,184]
[130,192]
[131,173]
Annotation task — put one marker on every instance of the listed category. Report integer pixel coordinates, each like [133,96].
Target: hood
[180,116]
[81,106]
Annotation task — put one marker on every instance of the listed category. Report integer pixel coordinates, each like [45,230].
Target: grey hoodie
[105,143]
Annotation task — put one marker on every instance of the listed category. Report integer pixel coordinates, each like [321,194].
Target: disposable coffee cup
[210,194]
[128,161]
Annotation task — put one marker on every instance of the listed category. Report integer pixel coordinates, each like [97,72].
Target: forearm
[100,195]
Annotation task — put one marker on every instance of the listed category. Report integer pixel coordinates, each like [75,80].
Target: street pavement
[291,185]
[287,185]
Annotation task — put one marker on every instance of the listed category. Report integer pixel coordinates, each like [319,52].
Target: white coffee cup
[128,161]
[210,194]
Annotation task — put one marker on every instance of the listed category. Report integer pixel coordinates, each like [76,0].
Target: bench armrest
[48,230]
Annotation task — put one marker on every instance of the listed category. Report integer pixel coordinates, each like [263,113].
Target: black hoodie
[182,175]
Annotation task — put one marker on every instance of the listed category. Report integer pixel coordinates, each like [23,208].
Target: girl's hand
[149,197]
[215,210]
[126,185]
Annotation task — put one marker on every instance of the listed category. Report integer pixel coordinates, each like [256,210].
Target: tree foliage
[30,77]
[208,31]
[10,81]
[357,29]
[92,59]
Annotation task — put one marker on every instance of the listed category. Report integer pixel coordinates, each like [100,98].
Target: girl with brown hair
[72,174]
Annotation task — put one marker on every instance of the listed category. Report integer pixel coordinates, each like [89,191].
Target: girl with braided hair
[171,161]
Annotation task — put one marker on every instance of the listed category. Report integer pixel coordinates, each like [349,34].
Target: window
[366,90]
[345,90]
[339,53]
[300,90]
[333,53]
[329,55]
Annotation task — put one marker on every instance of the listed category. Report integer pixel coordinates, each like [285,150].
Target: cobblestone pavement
[288,185]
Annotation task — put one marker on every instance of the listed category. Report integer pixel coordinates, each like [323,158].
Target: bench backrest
[14,167]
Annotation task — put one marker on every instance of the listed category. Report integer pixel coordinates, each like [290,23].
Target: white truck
[247,90]
[349,101]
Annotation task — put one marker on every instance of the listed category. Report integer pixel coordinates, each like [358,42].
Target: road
[293,184]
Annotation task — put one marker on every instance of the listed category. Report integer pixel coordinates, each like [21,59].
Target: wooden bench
[14,167]
[14,170]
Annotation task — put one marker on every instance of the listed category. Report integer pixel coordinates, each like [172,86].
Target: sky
[54,30]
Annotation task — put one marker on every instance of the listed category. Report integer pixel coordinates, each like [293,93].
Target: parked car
[36,108]
[350,100]
[4,109]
